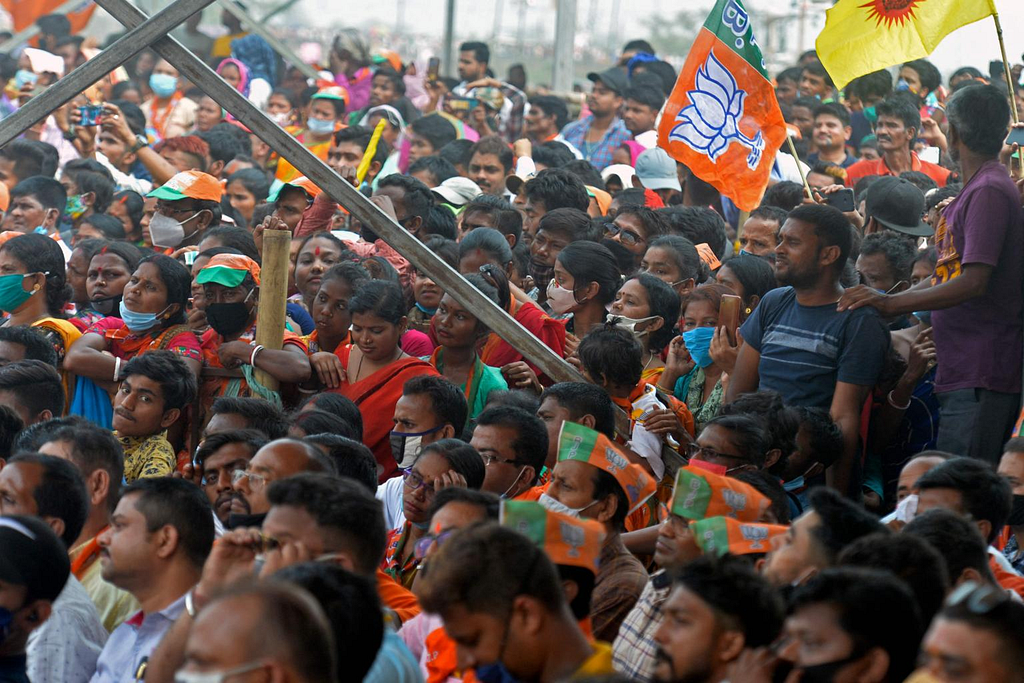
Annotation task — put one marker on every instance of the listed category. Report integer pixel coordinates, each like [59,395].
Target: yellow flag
[861,36]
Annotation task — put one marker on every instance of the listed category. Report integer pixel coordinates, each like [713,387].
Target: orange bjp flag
[25,12]
[722,119]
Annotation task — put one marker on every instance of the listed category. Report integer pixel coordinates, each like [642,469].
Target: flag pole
[1006,68]
[803,176]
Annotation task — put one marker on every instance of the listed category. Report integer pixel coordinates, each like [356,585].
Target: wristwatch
[140,142]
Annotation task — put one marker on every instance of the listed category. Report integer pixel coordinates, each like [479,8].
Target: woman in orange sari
[373,368]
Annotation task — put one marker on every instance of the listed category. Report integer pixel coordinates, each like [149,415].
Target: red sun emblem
[891,11]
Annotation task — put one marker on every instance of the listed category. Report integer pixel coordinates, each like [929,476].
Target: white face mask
[560,299]
[907,509]
[215,676]
[621,322]
[166,232]
[553,505]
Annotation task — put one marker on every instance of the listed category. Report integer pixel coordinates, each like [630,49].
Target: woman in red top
[374,368]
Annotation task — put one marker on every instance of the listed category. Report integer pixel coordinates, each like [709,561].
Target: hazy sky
[974,45]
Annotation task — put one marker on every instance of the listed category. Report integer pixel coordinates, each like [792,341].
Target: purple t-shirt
[978,342]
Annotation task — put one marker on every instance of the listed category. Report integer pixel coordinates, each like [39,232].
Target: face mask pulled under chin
[621,322]
[165,232]
[553,505]
[826,672]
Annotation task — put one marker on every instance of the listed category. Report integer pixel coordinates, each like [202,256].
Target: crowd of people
[793,454]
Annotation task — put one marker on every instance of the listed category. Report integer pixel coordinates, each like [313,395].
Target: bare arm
[290,364]
[745,377]
[86,357]
[847,402]
[970,284]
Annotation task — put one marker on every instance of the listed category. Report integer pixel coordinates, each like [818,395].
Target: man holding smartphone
[975,297]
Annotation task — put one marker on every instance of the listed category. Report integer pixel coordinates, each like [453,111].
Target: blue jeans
[976,422]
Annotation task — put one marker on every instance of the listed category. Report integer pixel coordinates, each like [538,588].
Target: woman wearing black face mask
[231,290]
[149,315]
[110,269]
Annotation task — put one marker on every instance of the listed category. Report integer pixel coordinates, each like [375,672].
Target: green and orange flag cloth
[861,36]
[722,120]
[720,535]
[566,540]
[577,442]
[699,494]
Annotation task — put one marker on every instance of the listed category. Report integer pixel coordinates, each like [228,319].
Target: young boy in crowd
[155,390]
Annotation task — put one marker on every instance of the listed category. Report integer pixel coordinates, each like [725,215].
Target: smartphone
[91,114]
[433,68]
[190,257]
[460,104]
[1016,135]
[842,200]
[729,315]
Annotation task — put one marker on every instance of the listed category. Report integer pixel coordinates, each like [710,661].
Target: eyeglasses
[423,545]
[978,598]
[698,452]
[414,481]
[490,458]
[256,481]
[628,237]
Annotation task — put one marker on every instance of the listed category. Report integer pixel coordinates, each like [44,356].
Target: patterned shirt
[403,573]
[634,648]
[597,153]
[147,456]
[620,581]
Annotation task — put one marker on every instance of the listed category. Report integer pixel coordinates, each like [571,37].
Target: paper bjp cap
[229,270]
[566,540]
[720,535]
[189,185]
[576,442]
[699,493]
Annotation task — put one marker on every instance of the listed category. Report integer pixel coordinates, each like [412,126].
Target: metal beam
[135,40]
[497,319]
[565,39]
[260,30]
[448,39]
[29,32]
[284,6]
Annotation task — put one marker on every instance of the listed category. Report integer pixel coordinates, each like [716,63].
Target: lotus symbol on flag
[711,122]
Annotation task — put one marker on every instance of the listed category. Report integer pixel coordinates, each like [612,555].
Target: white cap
[457,191]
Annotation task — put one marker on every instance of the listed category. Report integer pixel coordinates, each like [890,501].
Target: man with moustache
[277,460]
[718,609]
[798,344]
[898,125]
[218,458]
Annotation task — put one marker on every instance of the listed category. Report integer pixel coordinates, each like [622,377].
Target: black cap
[897,204]
[31,555]
[613,79]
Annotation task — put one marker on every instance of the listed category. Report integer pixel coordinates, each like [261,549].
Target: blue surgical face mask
[320,126]
[24,77]
[698,343]
[139,322]
[163,85]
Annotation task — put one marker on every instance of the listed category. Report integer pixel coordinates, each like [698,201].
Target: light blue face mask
[320,126]
[924,316]
[24,77]
[163,85]
[139,322]
[698,343]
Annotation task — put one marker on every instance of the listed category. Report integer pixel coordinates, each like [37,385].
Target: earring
[35,288]
[748,310]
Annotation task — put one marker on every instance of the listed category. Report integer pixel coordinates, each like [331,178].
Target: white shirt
[641,441]
[649,139]
[65,648]
[390,494]
[123,180]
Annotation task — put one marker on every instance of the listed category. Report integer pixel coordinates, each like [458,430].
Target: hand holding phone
[433,68]
[841,199]
[729,315]
[90,115]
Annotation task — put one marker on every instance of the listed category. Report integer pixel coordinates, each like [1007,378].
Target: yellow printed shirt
[149,456]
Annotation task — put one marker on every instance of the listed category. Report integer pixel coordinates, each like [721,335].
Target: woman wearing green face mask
[34,291]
